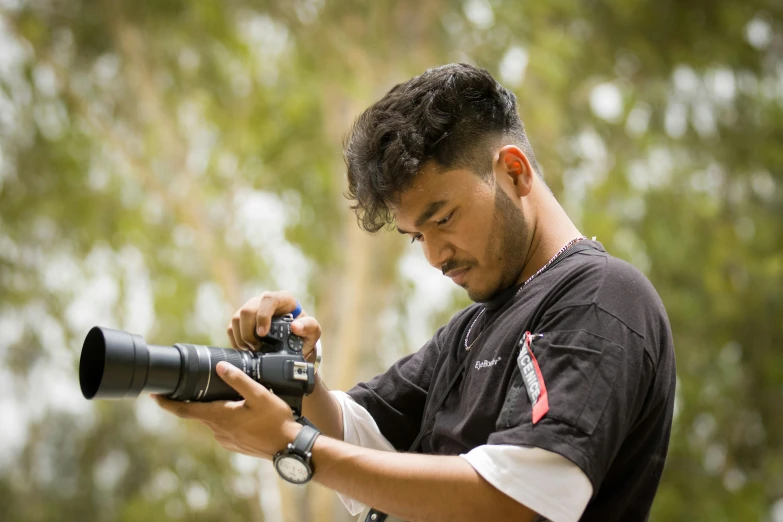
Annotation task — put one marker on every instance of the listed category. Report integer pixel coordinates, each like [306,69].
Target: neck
[551,231]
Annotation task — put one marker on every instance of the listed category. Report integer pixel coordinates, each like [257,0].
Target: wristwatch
[294,463]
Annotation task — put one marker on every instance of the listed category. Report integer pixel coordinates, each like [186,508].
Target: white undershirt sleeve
[360,429]
[544,481]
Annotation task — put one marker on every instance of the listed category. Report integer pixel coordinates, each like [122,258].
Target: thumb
[241,382]
[308,329]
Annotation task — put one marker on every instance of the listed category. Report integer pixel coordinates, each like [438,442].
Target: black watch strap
[304,441]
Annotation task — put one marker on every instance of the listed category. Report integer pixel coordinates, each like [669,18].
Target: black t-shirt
[606,359]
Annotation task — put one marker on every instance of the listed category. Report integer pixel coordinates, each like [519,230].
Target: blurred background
[163,162]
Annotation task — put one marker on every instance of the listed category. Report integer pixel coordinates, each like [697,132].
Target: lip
[458,276]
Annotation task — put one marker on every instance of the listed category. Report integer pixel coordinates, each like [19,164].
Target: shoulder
[626,293]
[611,295]
[594,277]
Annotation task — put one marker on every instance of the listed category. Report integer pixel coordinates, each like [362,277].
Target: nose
[437,252]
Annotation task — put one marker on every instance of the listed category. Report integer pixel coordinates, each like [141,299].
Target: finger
[272,304]
[230,332]
[308,329]
[247,324]
[253,392]
[237,333]
[191,410]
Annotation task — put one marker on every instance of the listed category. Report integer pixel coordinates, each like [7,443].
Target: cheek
[472,233]
[471,243]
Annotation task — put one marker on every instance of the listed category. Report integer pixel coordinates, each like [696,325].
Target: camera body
[117,364]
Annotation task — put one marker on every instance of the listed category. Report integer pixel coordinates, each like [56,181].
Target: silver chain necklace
[565,247]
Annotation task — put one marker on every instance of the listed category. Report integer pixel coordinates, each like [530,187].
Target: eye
[417,237]
[445,219]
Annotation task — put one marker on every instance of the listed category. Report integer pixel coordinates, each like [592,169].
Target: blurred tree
[162,162]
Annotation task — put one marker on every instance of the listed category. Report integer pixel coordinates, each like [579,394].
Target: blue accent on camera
[297,310]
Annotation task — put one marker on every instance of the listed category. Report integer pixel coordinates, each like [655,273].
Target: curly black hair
[453,115]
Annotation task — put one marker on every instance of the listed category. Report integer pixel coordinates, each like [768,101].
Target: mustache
[454,265]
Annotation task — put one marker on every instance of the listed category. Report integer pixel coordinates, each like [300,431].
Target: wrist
[294,463]
[289,432]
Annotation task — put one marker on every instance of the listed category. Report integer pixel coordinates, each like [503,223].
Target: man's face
[469,228]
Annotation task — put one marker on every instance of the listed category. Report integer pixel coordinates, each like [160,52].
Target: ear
[512,163]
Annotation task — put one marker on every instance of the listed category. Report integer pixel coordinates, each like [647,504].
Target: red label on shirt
[532,378]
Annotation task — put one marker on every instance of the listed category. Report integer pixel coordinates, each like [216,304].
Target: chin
[479,295]
[477,292]
[486,294]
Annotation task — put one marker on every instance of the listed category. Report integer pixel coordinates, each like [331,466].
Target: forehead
[435,184]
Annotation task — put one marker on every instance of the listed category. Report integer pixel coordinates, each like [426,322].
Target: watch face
[292,469]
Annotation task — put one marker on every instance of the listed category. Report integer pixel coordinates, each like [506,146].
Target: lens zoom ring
[218,389]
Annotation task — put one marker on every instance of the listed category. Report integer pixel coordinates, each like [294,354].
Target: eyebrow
[430,211]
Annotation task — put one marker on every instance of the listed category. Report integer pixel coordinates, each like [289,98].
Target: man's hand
[253,320]
[260,425]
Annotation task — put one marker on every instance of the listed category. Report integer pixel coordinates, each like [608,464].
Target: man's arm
[323,410]
[545,482]
[411,486]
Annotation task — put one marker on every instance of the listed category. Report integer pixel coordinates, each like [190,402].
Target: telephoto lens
[115,364]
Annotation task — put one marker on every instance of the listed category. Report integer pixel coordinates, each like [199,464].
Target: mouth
[458,276]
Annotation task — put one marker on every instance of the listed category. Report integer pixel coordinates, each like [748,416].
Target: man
[551,396]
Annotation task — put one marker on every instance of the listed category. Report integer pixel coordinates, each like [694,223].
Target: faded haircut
[454,115]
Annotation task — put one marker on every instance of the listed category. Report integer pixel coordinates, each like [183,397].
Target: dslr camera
[115,365]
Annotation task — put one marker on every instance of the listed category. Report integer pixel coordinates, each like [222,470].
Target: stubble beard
[506,247]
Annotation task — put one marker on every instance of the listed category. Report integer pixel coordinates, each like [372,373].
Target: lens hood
[113,364]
